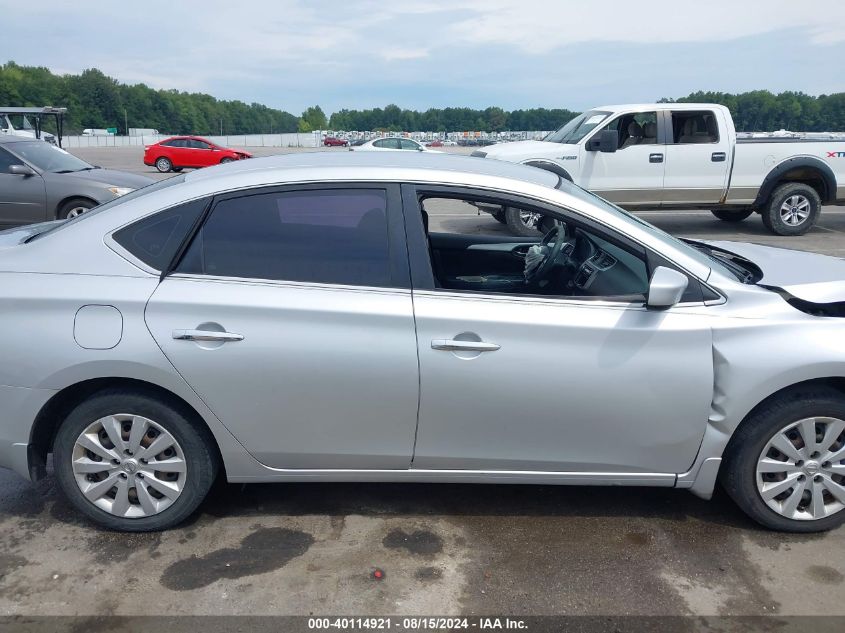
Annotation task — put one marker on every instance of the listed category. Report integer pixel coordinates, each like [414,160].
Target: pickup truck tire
[751,459]
[500,216]
[793,209]
[731,216]
[523,223]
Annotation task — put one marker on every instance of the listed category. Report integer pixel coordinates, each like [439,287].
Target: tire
[194,447]
[74,207]
[225,160]
[739,474]
[784,215]
[500,216]
[177,169]
[727,215]
[517,224]
[163,164]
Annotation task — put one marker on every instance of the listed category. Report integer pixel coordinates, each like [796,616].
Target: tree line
[95,100]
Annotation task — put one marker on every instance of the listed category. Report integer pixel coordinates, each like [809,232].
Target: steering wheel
[555,241]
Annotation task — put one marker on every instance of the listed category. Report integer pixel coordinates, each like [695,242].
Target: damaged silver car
[294,318]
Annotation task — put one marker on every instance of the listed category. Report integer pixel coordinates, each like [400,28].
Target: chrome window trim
[284,283]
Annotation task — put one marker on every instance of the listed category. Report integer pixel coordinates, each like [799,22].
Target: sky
[290,54]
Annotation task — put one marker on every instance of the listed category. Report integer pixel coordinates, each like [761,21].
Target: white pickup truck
[684,156]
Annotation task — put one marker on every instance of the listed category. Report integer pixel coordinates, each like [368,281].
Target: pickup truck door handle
[206,335]
[718,157]
[655,158]
[463,346]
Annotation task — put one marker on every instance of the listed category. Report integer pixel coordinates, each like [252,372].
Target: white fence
[310,139]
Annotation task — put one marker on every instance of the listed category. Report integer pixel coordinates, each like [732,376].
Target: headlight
[120,191]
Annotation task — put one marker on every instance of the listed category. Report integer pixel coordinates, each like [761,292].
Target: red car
[189,151]
[333,141]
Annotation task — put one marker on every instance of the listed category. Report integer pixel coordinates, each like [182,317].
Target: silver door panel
[323,376]
[574,386]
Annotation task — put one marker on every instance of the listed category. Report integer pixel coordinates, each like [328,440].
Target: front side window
[332,236]
[155,239]
[408,144]
[563,259]
[638,128]
[6,161]
[196,144]
[694,127]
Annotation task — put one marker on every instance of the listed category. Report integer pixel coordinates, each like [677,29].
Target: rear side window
[155,239]
[332,236]
[694,127]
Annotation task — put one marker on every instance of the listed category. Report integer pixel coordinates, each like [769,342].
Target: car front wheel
[133,462]
[785,465]
[75,207]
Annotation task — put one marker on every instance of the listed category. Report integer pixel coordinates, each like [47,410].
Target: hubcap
[800,474]
[76,211]
[794,210]
[530,219]
[162,164]
[129,466]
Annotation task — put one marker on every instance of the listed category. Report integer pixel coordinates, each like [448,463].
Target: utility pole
[221,127]
[126,121]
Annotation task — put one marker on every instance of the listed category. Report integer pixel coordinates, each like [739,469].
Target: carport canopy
[37,114]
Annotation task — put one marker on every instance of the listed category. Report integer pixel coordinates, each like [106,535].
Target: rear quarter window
[156,238]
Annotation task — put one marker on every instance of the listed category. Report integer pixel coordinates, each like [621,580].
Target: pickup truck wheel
[523,223]
[500,216]
[731,216]
[793,209]
[784,465]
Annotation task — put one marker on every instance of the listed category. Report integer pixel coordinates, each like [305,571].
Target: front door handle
[463,346]
[206,335]
[718,157]
[655,158]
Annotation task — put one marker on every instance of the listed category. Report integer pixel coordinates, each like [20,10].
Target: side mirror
[21,170]
[665,288]
[607,141]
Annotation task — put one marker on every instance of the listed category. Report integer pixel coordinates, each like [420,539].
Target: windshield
[577,128]
[47,157]
[137,193]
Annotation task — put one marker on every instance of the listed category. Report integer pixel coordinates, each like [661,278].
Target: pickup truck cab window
[692,127]
[637,128]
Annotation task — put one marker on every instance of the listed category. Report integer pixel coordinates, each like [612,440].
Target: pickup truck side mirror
[607,141]
[21,170]
[665,288]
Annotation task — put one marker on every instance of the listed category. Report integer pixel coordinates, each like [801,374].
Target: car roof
[382,161]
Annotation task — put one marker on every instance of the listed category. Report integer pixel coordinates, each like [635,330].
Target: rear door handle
[655,158]
[718,157]
[206,335]
[463,346]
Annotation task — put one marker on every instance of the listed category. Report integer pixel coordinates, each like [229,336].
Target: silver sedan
[294,319]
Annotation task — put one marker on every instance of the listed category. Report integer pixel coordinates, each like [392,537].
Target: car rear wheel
[793,209]
[72,208]
[731,216]
[164,165]
[785,464]
[133,462]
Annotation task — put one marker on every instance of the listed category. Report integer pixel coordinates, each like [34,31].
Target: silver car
[293,318]
[39,181]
